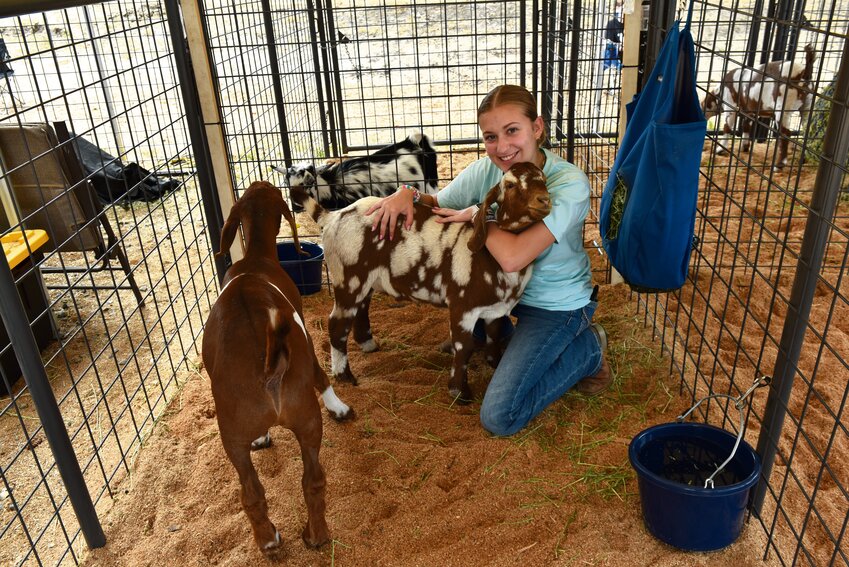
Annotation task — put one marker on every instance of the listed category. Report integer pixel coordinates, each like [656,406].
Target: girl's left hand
[453,215]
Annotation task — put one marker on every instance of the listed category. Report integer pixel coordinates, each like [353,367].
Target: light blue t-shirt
[561,279]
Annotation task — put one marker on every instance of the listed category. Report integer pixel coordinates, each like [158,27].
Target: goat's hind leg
[362,327]
[253,495]
[463,342]
[313,481]
[338,410]
[339,327]
[495,341]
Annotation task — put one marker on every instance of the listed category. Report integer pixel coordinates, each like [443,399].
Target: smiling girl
[555,345]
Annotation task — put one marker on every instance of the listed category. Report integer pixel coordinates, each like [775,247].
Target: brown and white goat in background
[773,90]
[262,364]
[444,264]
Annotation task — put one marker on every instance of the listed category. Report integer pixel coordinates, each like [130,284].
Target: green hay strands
[617,207]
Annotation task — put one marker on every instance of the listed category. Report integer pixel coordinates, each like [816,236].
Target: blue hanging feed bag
[648,207]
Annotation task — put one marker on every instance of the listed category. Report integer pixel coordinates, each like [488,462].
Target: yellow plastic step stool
[15,245]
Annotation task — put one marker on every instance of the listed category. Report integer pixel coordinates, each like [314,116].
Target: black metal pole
[329,133]
[573,79]
[9,8]
[197,135]
[523,25]
[275,80]
[563,29]
[29,360]
[817,228]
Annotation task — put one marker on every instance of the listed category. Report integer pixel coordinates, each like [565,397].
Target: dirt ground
[415,480]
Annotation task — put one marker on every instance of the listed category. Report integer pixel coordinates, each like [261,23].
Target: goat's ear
[290,218]
[478,239]
[228,232]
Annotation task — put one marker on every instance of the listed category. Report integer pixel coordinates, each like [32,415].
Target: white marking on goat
[333,403]
[461,265]
[369,345]
[275,543]
[458,346]
[407,253]
[487,277]
[338,361]
[272,312]
[347,242]
[354,284]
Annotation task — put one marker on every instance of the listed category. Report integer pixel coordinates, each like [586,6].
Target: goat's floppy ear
[478,238]
[228,232]
[287,214]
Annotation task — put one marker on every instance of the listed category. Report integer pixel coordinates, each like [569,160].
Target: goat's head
[711,105]
[302,174]
[258,210]
[522,198]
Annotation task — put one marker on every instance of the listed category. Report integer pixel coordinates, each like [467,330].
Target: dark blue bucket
[304,271]
[672,461]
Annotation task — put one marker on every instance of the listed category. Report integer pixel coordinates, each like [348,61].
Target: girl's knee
[496,422]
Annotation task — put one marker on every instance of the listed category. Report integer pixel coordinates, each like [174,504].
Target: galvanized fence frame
[115,356]
[716,335]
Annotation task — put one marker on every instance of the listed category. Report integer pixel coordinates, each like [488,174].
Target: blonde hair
[515,95]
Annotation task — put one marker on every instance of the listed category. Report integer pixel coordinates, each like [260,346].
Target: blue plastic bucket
[304,271]
[672,461]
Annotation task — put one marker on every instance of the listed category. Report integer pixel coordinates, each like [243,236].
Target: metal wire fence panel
[118,293]
[767,292]
[270,118]
[400,66]
[314,80]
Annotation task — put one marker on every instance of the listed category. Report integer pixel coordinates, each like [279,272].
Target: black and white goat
[337,185]
[773,90]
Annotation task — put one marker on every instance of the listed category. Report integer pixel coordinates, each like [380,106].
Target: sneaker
[601,380]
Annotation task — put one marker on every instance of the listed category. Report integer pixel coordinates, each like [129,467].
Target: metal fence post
[823,204]
[29,360]
[203,160]
[274,66]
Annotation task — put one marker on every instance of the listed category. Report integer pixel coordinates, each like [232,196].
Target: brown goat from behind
[444,264]
[262,364]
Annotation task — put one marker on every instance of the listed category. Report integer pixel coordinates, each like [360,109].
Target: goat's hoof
[345,376]
[343,416]
[314,540]
[370,345]
[263,442]
[460,396]
[274,546]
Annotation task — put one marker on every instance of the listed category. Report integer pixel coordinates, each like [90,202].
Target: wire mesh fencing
[767,293]
[380,68]
[317,82]
[101,199]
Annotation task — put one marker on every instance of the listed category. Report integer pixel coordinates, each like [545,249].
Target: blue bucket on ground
[673,462]
[304,271]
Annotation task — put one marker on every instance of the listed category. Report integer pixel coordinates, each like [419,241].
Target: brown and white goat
[773,90]
[444,264]
[262,366]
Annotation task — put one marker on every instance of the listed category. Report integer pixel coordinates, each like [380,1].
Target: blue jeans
[548,353]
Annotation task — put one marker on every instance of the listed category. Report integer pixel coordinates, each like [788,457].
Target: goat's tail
[810,57]
[311,206]
[277,357]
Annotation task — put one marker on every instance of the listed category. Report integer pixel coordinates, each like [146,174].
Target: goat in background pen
[262,365]
[773,90]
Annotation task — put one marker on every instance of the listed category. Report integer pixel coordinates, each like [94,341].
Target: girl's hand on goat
[453,215]
[389,209]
